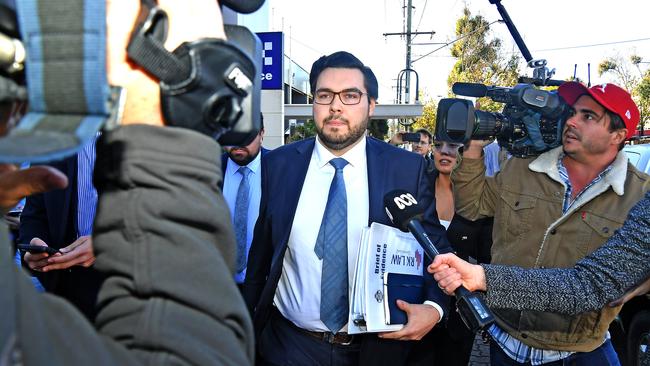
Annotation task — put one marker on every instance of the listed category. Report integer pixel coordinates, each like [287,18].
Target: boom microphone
[403,210]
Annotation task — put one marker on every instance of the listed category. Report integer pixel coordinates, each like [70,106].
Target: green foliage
[303,131]
[607,65]
[642,94]
[378,128]
[428,119]
[479,59]
[620,70]
[637,83]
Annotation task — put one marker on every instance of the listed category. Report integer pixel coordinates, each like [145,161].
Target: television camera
[531,121]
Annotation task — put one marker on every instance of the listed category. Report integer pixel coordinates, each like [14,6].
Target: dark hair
[425,132]
[344,60]
[615,123]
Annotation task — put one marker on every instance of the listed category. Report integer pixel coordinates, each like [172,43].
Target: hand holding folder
[405,287]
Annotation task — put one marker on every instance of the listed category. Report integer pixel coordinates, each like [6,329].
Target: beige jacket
[530,231]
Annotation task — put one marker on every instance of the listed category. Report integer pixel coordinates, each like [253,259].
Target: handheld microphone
[403,210]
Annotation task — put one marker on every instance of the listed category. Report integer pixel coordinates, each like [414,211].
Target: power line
[322,53]
[421,16]
[455,40]
[594,45]
[307,46]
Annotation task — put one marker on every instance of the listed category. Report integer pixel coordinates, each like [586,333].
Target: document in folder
[383,249]
[399,286]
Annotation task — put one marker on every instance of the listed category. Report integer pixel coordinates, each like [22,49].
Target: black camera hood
[243,6]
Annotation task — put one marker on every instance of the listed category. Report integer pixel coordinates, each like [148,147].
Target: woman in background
[450,342]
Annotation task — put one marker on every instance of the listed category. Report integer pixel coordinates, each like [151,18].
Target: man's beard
[340,142]
[243,161]
[577,139]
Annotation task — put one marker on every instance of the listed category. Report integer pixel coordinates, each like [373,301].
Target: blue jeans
[603,355]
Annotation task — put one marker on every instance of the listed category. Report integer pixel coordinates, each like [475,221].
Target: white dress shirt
[231,182]
[297,296]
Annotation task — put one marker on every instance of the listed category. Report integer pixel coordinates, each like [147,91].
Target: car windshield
[633,156]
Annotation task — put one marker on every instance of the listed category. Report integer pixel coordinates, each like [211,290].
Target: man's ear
[619,136]
[371,107]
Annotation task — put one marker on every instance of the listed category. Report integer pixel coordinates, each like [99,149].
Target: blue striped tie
[332,248]
[241,218]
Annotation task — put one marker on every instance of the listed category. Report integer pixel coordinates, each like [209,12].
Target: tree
[642,92]
[378,128]
[638,84]
[302,131]
[479,59]
[428,119]
[621,70]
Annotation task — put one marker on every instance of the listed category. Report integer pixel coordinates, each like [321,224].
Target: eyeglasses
[441,145]
[420,143]
[347,97]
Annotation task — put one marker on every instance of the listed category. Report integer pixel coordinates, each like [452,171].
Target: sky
[555,30]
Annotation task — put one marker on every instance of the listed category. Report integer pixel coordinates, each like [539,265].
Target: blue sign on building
[273,57]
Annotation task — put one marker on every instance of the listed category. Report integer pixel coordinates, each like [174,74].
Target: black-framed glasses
[420,143]
[347,97]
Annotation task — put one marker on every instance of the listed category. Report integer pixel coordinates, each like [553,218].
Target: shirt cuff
[437,307]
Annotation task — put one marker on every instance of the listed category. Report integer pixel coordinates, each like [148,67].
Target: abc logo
[404,200]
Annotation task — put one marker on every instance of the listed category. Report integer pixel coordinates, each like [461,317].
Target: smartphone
[35,249]
[412,137]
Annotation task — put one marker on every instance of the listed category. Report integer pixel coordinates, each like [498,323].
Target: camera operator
[162,233]
[552,210]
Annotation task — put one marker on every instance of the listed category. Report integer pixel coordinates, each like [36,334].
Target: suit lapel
[293,179]
[376,179]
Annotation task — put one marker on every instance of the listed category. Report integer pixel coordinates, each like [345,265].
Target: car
[639,156]
[630,330]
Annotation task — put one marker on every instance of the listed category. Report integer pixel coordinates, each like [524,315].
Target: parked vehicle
[639,156]
[630,331]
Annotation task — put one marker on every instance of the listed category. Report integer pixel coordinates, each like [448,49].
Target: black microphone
[403,210]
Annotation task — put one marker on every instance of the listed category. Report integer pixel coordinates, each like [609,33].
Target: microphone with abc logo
[403,210]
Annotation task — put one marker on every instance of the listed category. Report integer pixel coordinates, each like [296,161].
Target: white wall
[273,111]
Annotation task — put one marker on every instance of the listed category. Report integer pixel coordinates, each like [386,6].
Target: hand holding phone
[411,137]
[36,249]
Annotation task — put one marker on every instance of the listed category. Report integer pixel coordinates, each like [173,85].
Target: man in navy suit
[301,183]
[243,194]
[51,219]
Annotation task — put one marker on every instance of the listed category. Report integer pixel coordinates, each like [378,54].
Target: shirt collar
[615,177]
[356,156]
[254,165]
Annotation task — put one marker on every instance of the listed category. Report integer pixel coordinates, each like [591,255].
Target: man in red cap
[551,211]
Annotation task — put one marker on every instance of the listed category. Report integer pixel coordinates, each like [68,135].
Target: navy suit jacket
[52,217]
[283,175]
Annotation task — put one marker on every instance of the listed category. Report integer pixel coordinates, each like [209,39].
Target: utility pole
[407,93]
[409,39]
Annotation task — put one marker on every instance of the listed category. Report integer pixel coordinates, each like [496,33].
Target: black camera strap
[147,46]
[207,85]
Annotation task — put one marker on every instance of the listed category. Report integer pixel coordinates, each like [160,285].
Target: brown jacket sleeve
[475,195]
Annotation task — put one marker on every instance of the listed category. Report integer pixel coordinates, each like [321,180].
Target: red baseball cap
[614,98]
